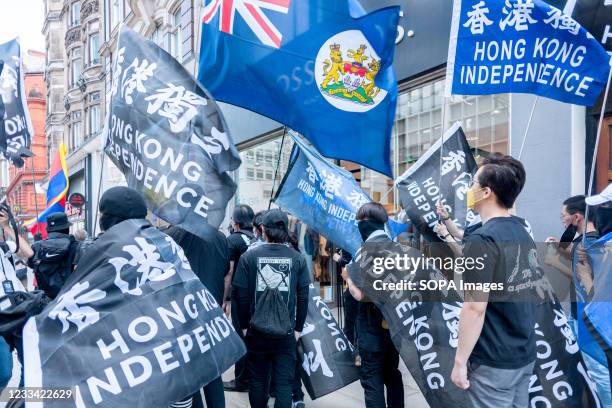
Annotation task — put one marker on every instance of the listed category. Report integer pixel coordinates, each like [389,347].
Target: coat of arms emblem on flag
[346,70]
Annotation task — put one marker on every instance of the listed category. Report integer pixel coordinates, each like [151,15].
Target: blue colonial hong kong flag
[523,46]
[324,196]
[321,67]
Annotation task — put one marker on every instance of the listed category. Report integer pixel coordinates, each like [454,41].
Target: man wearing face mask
[379,357]
[496,343]
[119,204]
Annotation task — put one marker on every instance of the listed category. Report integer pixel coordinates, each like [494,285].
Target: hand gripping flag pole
[594,160]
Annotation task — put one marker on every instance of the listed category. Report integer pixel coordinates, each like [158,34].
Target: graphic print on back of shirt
[277,273]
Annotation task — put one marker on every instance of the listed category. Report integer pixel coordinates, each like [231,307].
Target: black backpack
[53,262]
[271,315]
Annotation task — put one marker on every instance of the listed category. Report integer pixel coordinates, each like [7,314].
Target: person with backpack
[238,242]
[54,258]
[270,291]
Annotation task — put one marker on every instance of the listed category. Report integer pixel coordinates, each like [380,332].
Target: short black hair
[258,219]
[577,205]
[372,211]
[243,216]
[276,235]
[505,176]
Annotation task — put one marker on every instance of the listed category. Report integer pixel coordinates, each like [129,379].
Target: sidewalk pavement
[350,396]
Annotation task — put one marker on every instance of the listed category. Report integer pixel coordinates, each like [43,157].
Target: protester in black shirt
[56,257]
[238,242]
[272,265]
[257,230]
[496,350]
[209,260]
[379,357]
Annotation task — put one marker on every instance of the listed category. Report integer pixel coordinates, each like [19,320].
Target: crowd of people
[261,279]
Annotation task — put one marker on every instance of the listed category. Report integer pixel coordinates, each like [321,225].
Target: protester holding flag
[132,276]
[10,284]
[597,262]
[379,357]
[496,351]
[55,257]
[239,240]
[210,261]
[270,290]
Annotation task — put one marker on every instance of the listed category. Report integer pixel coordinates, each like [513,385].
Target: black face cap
[275,219]
[57,222]
[123,202]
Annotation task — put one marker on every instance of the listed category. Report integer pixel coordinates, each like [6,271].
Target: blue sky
[23,18]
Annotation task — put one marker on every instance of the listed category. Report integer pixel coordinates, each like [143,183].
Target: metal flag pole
[95,226]
[535,102]
[442,126]
[35,196]
[384,196]
[594,161]
[280,154]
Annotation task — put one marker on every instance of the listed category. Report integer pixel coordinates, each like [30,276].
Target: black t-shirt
[209,259]
[471,227]
[509,256]
[279,265]
[238,243]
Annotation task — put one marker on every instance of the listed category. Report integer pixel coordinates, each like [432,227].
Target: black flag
[133,326]
[421,186]
[425,332]
[326,356]
[168,137]
[16,127]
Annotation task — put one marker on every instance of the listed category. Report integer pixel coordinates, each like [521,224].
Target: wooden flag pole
[535,102]
[594,161]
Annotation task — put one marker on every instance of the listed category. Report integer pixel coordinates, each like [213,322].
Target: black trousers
[378,370]
[270,357]
[351,309]
[241,371]
[213,393]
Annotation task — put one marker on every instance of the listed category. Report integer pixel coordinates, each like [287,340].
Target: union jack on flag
[253,15]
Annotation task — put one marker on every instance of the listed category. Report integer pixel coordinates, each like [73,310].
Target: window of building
[94,120]
[76,66]
[156,36]
[75,13]
[76,131]
[116,12]
[94,48]
[175,34]
[418,124]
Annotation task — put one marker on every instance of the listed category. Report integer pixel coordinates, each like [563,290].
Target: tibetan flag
[323,68]
[56,193]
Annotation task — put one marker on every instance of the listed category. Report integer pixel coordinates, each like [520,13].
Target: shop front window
[418,125]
